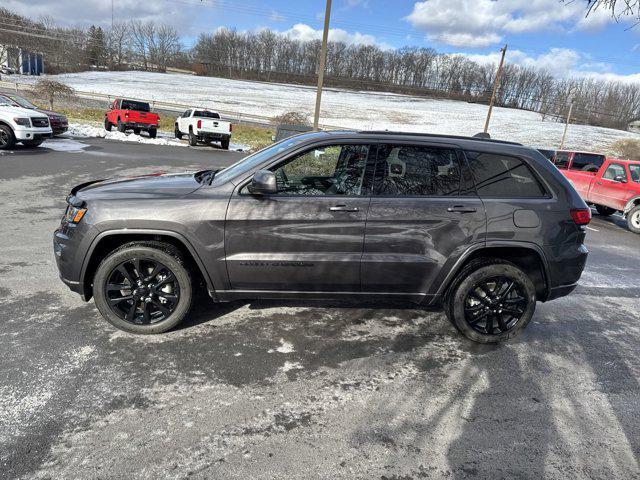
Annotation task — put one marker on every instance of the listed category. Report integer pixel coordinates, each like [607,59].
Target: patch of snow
[342,108]
[288,366]
[79,130]
[64,145]
[285,347]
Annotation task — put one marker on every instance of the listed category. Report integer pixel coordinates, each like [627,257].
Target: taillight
[126,114]
[199,123]
[581,216]
[231,127]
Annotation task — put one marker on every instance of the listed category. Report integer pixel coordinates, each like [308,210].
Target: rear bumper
[143,126]
[566,264]
[561,291]
[212,136]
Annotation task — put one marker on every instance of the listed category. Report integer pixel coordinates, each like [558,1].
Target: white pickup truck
[18,124]
[202,125]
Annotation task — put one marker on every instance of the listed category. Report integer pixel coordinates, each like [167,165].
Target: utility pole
[496,82]
[112,15]
[323,61]
[566,125]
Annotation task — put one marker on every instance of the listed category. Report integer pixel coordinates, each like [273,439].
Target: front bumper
[59,129]
[70,244]
[31,133]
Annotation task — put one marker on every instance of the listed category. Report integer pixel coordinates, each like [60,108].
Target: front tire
[177,132]
[491,301]
[143,287]
[605,211]
[633,219]
[136,131]
[107,125]
[121,127]
[7,138]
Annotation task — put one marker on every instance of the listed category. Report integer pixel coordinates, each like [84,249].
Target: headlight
[74,214]
[24,122]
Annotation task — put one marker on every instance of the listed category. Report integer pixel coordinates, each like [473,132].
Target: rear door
[309,235]
[423,214]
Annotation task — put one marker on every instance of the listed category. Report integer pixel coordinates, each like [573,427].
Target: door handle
[343,208]
[462,209]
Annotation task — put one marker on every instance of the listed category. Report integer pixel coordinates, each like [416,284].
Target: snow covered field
[342,108]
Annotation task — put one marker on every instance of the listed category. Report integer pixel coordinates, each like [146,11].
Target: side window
[186,114]
[587,162]
[614,170]
[327,170]
[634,170]
[503,176]
[562,159]
[416,170]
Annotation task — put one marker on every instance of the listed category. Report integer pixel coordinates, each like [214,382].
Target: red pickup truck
[611,185]
[131,115]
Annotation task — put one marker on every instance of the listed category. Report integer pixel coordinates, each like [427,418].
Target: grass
[255,137]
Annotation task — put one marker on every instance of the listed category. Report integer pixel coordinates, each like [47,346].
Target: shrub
[628,149]
[291,118]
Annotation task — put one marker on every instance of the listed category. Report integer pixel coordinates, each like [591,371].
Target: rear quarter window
[587,162]
[503,176]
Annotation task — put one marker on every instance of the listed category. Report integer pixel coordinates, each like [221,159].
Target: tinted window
[503,176]
[614,170]
[562,159]
[186,114]
[328,170]
[587,162]
[416,170]
[133,105]
[634,169]
[205,114]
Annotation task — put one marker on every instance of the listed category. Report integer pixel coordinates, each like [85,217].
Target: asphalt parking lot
[281,390]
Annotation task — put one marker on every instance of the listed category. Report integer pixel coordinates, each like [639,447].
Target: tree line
[269,56]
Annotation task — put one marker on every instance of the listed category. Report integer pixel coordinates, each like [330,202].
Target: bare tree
[618,8]
[50,90]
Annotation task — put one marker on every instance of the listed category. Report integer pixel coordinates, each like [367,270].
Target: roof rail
[436,135]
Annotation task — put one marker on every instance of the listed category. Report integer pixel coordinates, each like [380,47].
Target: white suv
[17,124]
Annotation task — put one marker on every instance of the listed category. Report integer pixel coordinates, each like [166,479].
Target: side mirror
[273,138]
[620,179]
[263,183]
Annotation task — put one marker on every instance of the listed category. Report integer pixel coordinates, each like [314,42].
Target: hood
[50,113]
[157,185]
[20,112]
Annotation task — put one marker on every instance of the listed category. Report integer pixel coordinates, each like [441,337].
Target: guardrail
[234,117]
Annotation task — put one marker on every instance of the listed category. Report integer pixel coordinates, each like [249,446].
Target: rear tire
[177,132]
[107,125]
[121,127]
[153,133]
[633,219]
[193,140]
[142,308]
[32,143]
[605,211]
[7,138]
[491,300]
[224,143]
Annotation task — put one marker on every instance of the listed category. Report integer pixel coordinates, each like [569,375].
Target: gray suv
[483,228]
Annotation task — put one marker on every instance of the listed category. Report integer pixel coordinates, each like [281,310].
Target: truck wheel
[153,133]
[121,127]
[605,211]
[177,132]
[491,300]
[136,131]
[143,287]
[224,143]
[32,143]
[193,140]
[7,138]
[107,125]
[633,219]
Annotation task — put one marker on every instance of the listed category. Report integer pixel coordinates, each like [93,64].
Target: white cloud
[305,33]
[276,16]
[479,23]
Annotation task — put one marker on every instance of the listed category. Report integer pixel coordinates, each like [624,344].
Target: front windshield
[5,101]
[252,161]
[23,102]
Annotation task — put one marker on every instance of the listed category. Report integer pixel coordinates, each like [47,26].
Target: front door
[609,190]
[422,214]
[309,235]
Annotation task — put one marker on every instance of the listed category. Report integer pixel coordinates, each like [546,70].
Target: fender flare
[141,231]
[633,201]
[458,265]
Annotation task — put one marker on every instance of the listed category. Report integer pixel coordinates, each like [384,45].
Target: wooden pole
[496,82]
[323,61]
[566,125]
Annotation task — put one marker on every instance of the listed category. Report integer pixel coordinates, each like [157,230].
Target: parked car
[585,161]
[22,125]
[613,187]
[59,123]
[548,153]
[202,125]
[131,115]
[481,227]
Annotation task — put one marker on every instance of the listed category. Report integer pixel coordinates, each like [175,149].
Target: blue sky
[541,33]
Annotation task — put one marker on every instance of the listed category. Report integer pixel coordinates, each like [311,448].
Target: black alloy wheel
[142,291]
[7,140]
[495,305]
